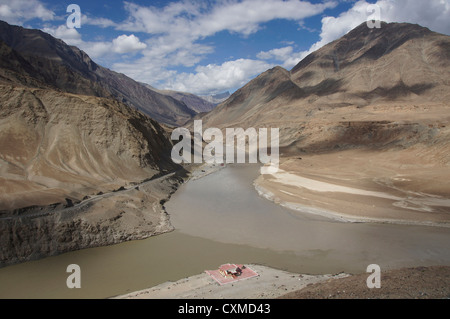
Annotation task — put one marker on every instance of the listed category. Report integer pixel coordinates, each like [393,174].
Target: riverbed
[225,207]
[219,219]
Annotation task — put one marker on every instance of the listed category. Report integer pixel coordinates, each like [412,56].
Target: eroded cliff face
[70,149]
[56,145]
[131,214]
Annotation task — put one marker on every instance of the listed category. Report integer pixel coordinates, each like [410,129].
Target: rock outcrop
[132,214]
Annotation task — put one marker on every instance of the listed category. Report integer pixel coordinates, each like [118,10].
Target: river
[220,218]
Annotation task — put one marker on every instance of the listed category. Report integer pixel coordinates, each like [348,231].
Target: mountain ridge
[192,101]
[102,142]
[397,63]
[71,70]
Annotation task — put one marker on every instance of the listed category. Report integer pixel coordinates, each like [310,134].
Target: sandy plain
[362,186]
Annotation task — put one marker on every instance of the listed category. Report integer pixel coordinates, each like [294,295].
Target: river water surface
[220,218]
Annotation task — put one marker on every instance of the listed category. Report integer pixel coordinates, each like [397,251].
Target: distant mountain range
[216,98]
[55,64]
[195,103]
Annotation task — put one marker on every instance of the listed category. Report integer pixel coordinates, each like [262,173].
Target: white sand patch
[287,193]
[344,217]
[284,177]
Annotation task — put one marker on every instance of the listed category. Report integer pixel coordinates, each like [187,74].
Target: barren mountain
[56,145]
[216,98]
[366,113]
[192,101]
[72,154]
[71,70]
[394,64]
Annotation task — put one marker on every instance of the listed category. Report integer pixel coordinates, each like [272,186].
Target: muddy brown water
[219,219]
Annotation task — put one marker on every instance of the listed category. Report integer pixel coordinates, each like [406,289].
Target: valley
[263,233]
[88,174]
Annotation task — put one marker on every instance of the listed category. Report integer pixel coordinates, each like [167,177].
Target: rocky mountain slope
[56,145]
[74,153]
[60,153]
[340,85]
[69,69]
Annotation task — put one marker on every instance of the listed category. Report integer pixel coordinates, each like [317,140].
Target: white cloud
[199,20]
[245,17]
[285,55]
[278,54]
[121,45]
[100,22]
[178,26]
[175,31]
[68,35]
[20,11]
[97,50]
[218,78]
[127,44]
[174,17]
[433,14]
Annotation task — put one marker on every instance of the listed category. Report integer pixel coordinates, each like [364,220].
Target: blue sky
[207,47]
